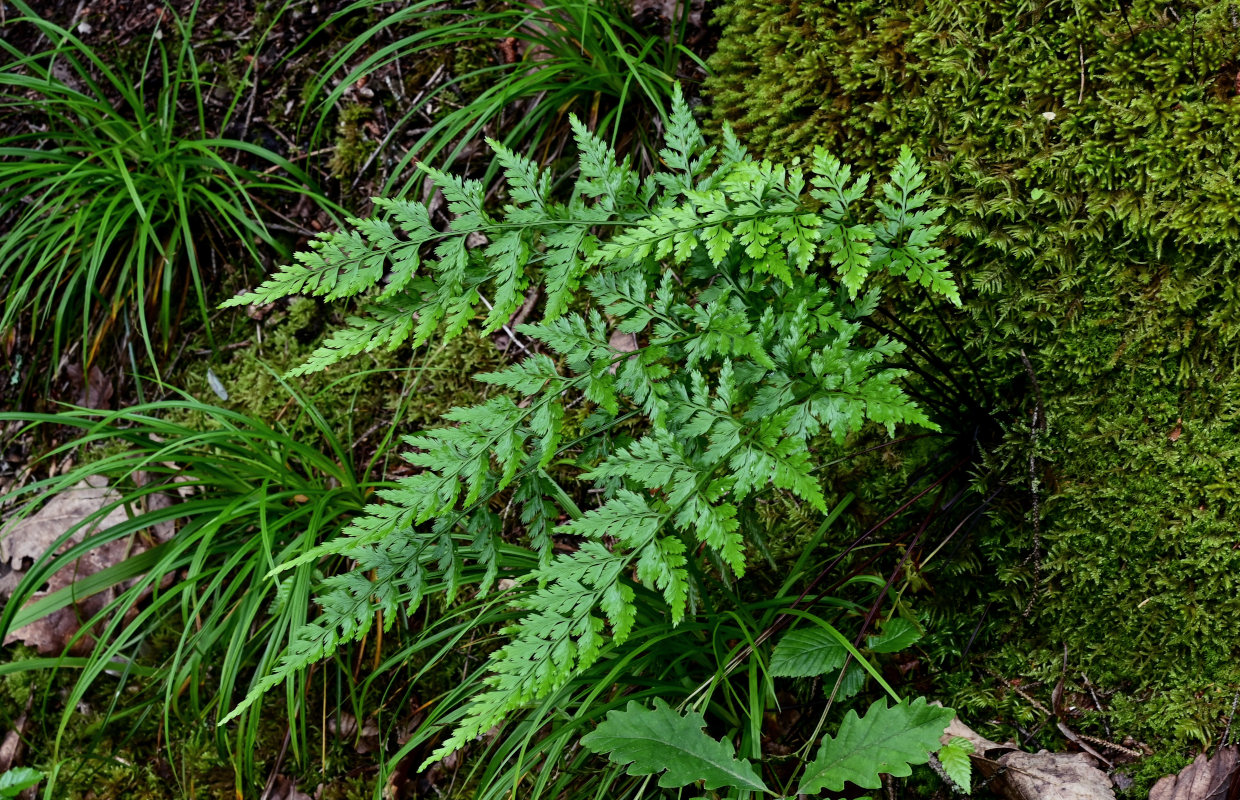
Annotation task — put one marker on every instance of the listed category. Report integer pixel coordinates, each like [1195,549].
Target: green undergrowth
[127,755]
[1082,150]
[513,71]
[275,460]
[122,196]
[696,364]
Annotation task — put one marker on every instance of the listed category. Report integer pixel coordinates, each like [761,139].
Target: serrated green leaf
[852,683]
[954,756]
[807,652]
[896,634]
[887,740]
[658,740]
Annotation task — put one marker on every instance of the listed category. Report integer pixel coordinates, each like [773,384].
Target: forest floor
[264,63]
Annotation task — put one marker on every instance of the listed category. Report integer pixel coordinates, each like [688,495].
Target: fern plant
[738,285]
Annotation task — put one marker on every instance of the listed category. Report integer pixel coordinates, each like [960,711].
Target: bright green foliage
[748,349]
[811,651]
[658,740]
[954,756]
[887,740]
[589,58]
[897,634]
[254,497]
[15,781]
[1085,155]
[808,652]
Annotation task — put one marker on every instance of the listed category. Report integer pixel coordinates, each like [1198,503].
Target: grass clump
[122,202]
[243,497]
[516,71]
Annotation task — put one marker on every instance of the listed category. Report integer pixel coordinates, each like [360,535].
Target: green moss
[1085,153]
[353,143]
[137,759]
[359,398]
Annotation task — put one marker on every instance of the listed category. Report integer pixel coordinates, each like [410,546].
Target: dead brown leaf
[366,740]
[11,745]
[1054,776]
[1034,776]
[35,535]
[1215,778]
[621,342]
[94,389]
[32,537]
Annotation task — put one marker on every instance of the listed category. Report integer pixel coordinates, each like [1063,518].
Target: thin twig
[1128,751]
[249,112]
[392,131]
[1013,687]
[531,299]
[1230,717]
[1080,98]
[512,336]
[1097,703]
[1037,424]
[275,769]
[300,157]
[223,348]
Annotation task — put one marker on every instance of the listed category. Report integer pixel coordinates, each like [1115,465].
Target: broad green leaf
[651,740]
[955,760]
[15,781]
[887,740]
[807,652]
[897,634]
[854,681]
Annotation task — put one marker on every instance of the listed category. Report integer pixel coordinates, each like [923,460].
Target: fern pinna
[741,283]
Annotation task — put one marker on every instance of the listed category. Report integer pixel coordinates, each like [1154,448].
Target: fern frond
[705,354]
[389,324]
[559,637]
[337,265]
[683,151]
[348,608]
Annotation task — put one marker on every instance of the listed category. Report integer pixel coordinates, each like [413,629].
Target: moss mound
[1086,152]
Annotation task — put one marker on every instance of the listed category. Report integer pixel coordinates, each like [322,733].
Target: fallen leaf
[343,727]
[621,342]
[11,745]
[1054,776]
[1215,778]
[257,312]
[369,741]
[36,534]
[92,387]
[30,538]
[1033,776]
[366,740]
